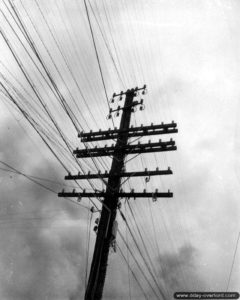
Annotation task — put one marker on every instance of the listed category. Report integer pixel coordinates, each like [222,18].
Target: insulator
[63,191]
[154,198]
[144,87]
[141,108]
[121,92]
[117,114]
[92,209]
[95,228]
[69,174]
[99,171]
[141,125]
[147,179]
[132,190]
[97,221]
[141,101]
[169,169]
[105,171]
[157,169]
[120,98]
[112,100]
[79,199]
[73,190]
[145,169]
[109,116]
[156,191]
[84,190]
[143,92]
[114,94]
[149,141]
[78,173]
[144,190]
[136,88]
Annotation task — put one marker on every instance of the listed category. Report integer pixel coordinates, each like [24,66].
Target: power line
[133,273]
[107,46]
[137,263]
[143,257]
[38,178]
[38,183]
[233,262]
[97,56]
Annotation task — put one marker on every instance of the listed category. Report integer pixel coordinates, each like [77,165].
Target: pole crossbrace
[127,149]
[125,174]
[143,194]
[132,132]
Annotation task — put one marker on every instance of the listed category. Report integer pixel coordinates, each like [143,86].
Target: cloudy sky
[188,54]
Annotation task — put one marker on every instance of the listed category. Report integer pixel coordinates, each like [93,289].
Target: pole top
[136,89]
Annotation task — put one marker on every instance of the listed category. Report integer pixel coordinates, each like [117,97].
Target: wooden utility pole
[111,196]
[109,209]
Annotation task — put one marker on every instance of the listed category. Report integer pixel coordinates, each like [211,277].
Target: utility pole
[107,223]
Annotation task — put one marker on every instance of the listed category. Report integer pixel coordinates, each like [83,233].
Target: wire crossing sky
[60,63]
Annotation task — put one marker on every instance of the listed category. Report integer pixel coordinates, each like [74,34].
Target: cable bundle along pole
[107,224]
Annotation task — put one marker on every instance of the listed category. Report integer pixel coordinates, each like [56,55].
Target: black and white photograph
[119,149]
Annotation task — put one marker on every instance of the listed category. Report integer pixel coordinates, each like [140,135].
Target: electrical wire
[133,273]
[97,56]
[143,257]
[38,183]
[233,262]
[139,266]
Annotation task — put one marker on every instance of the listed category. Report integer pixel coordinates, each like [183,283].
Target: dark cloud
[42,236]
[175,271]
[179,270]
